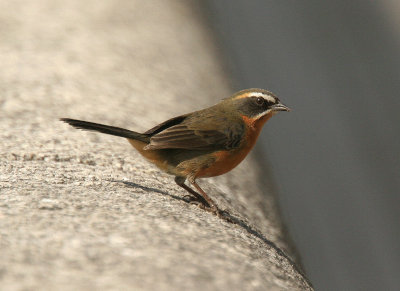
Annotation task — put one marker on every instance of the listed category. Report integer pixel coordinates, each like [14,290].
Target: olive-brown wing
[187,136]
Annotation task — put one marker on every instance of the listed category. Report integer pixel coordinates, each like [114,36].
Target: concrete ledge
[81,210]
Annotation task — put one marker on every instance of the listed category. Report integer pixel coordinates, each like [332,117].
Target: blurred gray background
[335,157]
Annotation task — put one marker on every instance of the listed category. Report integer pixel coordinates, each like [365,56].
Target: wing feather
[217,131]
[183,137]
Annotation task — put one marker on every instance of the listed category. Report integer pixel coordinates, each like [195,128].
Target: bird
[201,144]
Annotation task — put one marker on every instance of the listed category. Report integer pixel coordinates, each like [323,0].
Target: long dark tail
[117,131]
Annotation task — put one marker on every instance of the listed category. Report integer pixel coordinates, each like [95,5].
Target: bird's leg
[210,202]
[181,182]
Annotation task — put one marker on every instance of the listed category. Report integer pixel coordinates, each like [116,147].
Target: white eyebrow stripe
[263,95]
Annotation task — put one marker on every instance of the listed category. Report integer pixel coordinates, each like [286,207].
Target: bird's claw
[196,201]
[201,203]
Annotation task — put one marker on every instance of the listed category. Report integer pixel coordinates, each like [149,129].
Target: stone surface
[82,210]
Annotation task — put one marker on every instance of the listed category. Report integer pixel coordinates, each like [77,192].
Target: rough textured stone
[82,210]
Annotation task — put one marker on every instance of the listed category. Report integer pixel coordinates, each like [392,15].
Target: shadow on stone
[149,189]
[225,215]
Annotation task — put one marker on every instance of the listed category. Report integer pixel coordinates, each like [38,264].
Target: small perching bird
[204,143]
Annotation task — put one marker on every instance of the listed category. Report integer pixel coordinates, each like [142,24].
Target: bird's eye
[260,101]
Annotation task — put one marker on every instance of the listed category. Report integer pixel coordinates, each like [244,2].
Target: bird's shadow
[226,216]
[149,189]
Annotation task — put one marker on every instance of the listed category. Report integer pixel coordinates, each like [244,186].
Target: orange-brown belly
[224,162]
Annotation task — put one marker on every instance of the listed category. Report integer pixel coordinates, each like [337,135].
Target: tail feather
[117,131]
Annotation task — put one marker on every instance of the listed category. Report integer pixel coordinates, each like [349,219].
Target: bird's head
[256,104]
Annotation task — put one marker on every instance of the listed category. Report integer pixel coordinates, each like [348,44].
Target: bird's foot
[214,210]
[202,203]
[199,201]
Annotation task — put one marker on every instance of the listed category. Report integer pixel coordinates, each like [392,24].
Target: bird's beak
[280,107]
